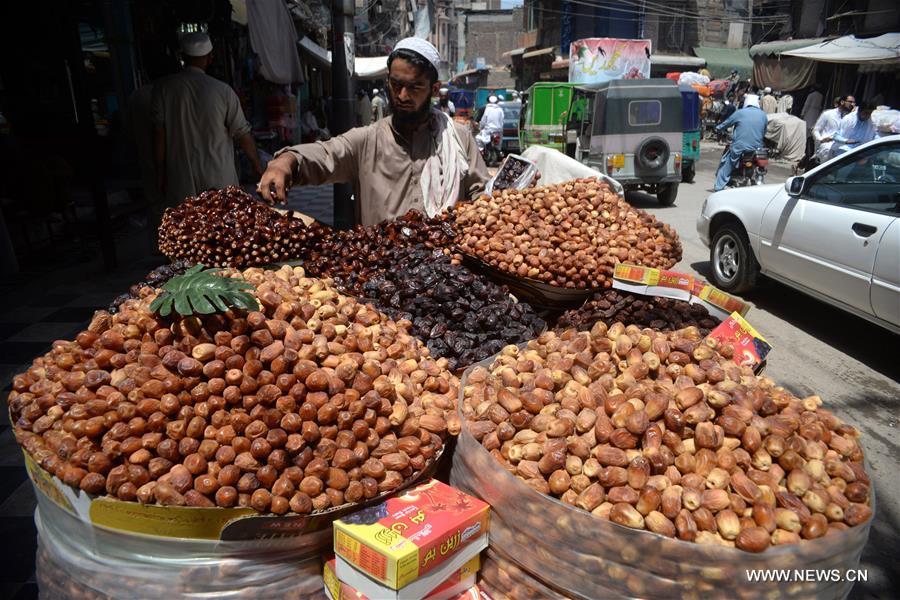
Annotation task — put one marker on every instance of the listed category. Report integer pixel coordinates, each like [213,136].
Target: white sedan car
[833,233]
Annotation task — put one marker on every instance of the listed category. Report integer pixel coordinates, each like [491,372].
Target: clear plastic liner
[76,559]
[583,556]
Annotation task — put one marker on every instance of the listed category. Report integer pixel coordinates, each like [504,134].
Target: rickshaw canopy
[636,106]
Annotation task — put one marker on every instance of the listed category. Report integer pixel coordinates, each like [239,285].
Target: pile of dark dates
[509,173]
[662,314]
[459,315]
[352,257]
[155,279]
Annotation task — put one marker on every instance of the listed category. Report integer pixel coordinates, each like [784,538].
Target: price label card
[672,284]
[636,274]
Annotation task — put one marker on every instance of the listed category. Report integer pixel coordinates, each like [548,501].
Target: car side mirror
[794,185]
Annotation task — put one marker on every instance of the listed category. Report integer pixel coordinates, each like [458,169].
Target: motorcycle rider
[749,130]
[491,122]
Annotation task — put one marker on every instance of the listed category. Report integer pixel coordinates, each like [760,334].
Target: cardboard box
[407,536]
[750,348]
[456,581]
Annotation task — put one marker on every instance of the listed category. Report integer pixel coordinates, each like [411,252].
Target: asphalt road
[853,365]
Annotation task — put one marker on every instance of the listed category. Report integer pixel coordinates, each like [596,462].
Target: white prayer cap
[196,44]
[444,90]
[751,100]
[767,90]
[492,99]
[423,48]
[374,91]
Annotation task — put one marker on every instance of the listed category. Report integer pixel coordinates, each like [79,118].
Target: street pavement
[850,363]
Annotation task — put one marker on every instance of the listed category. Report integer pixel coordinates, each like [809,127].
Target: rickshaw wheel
[667,193]
[687,173]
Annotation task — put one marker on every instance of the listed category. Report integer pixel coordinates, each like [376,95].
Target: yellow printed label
[673,279]
[744,325]
[636,274]
[166,521]
[331,582]
[470,568]
[44,482]
[719,298]
[408,569]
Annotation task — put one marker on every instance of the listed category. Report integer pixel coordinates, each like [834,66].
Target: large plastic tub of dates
[117,521]
[609,478]
[92,546]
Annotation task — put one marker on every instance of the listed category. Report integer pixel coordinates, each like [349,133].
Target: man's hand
[278,178]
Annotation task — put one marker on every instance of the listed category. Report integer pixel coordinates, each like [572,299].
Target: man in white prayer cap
[197,119]
[378,105]
[417,158]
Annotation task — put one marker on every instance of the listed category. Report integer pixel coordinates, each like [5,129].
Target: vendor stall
[246,430]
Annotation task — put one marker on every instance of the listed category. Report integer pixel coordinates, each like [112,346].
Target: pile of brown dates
[229,228]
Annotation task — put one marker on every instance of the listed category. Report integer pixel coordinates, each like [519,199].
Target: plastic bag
[887,122]
[78,560]
[556,167]
[692,77]
[580,555]
[511,164]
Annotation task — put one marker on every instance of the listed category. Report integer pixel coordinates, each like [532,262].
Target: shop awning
[672,60]
[467,73]
[720,61]
[364,67]
[511,53]
[540,52]
[781,46]
[851,49]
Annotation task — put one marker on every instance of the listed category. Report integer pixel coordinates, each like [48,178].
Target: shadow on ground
[874,346]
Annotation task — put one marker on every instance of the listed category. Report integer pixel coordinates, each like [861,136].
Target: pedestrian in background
[768,103]
[812,107]
[378,105]
[856,129]
[196,120]
[363,109]
[785,103]
[828,125]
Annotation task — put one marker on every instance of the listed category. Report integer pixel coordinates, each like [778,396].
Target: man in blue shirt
[856,128]
[749,131]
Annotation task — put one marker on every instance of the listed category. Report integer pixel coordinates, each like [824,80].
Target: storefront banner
[597,60]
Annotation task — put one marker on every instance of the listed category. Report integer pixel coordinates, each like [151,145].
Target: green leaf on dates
[203,292]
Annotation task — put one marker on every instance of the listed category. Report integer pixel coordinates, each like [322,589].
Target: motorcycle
[491,152]
[751,168]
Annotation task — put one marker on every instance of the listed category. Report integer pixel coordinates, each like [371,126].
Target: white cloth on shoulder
[446,166]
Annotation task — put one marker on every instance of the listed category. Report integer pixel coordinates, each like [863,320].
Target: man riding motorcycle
[491,122]
[749,131]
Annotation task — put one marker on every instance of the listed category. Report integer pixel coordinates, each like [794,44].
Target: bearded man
[417,158]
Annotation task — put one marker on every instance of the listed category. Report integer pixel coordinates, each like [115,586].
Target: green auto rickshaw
[691,126]
[631,130]
[545,110]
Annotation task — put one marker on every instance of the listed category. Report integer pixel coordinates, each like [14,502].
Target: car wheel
[734,267]
[666,194]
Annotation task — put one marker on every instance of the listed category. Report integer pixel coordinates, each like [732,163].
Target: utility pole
[342,108]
